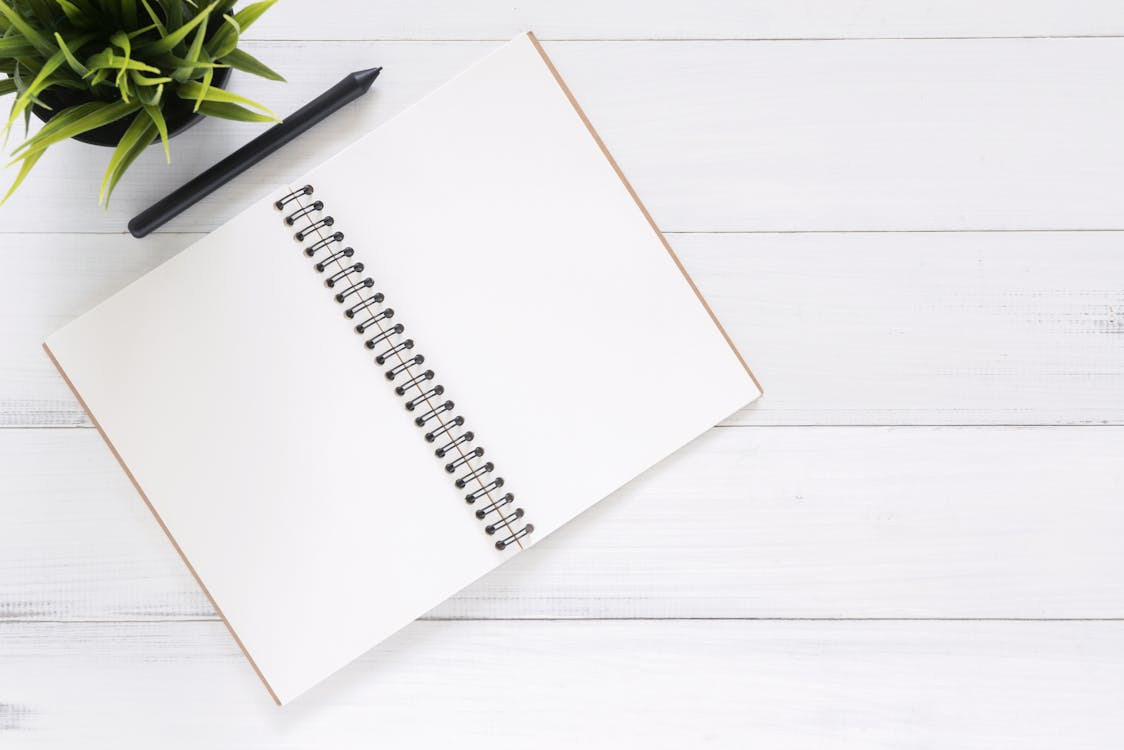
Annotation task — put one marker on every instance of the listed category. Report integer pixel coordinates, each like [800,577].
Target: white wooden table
[910,216]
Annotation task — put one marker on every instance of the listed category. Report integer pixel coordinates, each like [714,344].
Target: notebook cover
[632,193]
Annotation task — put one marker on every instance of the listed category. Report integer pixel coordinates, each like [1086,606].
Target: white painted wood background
[910,216]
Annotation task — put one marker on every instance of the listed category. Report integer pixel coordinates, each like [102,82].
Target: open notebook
[396,372]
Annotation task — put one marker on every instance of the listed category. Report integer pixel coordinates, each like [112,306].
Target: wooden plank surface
[670,684]
[721,136]
[744,522]
[821,188]
[705,19]
[868,328]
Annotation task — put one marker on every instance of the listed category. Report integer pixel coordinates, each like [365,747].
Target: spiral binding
[424,398]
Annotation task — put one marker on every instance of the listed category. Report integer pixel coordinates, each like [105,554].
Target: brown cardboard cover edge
[160,521]
[640,205]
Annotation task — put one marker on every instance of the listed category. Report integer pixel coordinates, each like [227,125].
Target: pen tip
[366,77]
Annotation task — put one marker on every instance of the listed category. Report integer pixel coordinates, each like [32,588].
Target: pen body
[349,89]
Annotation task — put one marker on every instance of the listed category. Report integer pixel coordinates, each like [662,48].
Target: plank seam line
[779,426]
[172,620]
[683,39]
[677,232]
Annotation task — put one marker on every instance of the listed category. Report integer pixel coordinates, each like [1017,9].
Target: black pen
[353,86]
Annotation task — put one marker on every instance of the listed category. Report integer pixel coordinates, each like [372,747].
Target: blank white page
[273,452]
[532,280]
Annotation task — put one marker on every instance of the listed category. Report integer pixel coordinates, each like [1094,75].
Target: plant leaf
[106,60]
[193,89]
[101,60]
[121,39]
[7,86]
[80,17]
[37,40]
[142,80]
[155,19]
[137,138]
[9,132]
[154,99]
[25,168]
[157,118]
[193,51]
[74,121]
[246,62]
[226,38]
[204,87]
[36,85]
[223,35]
[142,31]
[180,69]
[167,43]
[173,11]
[251,13]
[71,60]
[43,11]
[14,46]
[233,112]
[192,55]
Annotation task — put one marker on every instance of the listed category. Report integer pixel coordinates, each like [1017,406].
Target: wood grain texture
[869,328]
[730,136]
[744,522]
[105,641]
[626,684]
[705,19]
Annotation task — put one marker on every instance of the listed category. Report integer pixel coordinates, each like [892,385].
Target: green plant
[121,59]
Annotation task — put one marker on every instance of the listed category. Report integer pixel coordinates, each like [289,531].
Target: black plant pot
[178,112]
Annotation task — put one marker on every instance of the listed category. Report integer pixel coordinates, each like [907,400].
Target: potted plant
[122,73]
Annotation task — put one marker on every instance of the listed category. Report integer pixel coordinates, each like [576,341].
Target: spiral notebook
[393,374]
